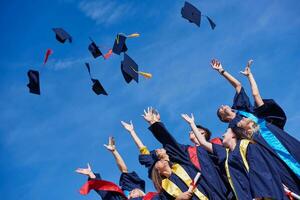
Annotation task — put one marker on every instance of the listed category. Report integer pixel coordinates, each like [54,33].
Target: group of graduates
[255,159]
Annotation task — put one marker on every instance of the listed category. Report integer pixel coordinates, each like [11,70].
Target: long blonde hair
[157,179]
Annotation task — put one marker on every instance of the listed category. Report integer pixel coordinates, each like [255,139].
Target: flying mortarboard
[120,45]
[62,35]
[34,82]
[96,52]
[97,87]
[130,70]
[193,14]
[94,49]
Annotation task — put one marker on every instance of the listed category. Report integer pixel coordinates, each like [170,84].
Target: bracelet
[222,71]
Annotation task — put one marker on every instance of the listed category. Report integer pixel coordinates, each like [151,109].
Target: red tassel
[48,53]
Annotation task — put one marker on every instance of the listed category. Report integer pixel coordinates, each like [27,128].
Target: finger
[89,167]
[131,122]
[192,115]
[145,112]
[123,123]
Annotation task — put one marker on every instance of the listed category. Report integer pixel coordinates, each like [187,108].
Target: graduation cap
[131,181]
[97,87]
[148,160]
[120,45]
[94,49]
[62,35]
[193,14]
[34,82]
[130,70]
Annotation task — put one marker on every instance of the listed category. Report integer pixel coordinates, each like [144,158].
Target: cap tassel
[144,74]
[108,54]
[48,53]
[133,35]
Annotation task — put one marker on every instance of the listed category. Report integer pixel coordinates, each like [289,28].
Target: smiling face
[224,112]
[228,137]
[248,125]
[162,167]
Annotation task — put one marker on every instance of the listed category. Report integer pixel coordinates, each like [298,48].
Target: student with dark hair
[248,166]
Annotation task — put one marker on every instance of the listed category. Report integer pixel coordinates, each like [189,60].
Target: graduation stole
[274,143]
[243,151]
[172,189]
[193,156]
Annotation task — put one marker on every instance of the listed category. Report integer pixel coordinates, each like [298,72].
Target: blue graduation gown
[261,176]
[288,177]
[213,189]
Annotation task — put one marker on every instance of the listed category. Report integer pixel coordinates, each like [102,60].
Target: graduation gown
[259,179]
[210,183]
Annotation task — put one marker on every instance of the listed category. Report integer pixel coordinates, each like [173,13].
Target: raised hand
[128,127]
[85,171]
[111,144]
[216,65]
[151,115]
[247,70]
[188,119]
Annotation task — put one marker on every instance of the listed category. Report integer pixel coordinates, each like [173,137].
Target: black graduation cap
[130,181]
[62,35]
[119,44]
[148,160]
[97,87]
[94,49]
[193,14]
[129,69]
[34,82]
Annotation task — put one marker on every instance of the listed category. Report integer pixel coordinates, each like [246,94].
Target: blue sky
[45,138]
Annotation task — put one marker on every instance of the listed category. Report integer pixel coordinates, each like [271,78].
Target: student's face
[162,154]
[193,138]
[225,111]
[135,193]
[227,137]
[162,166]
[246,124]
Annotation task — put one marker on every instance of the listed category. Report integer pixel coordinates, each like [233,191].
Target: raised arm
[119,160]
[200,136]
[255,92]
[216,65]
[135,137]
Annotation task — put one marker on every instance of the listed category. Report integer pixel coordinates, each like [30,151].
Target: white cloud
[105,12]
